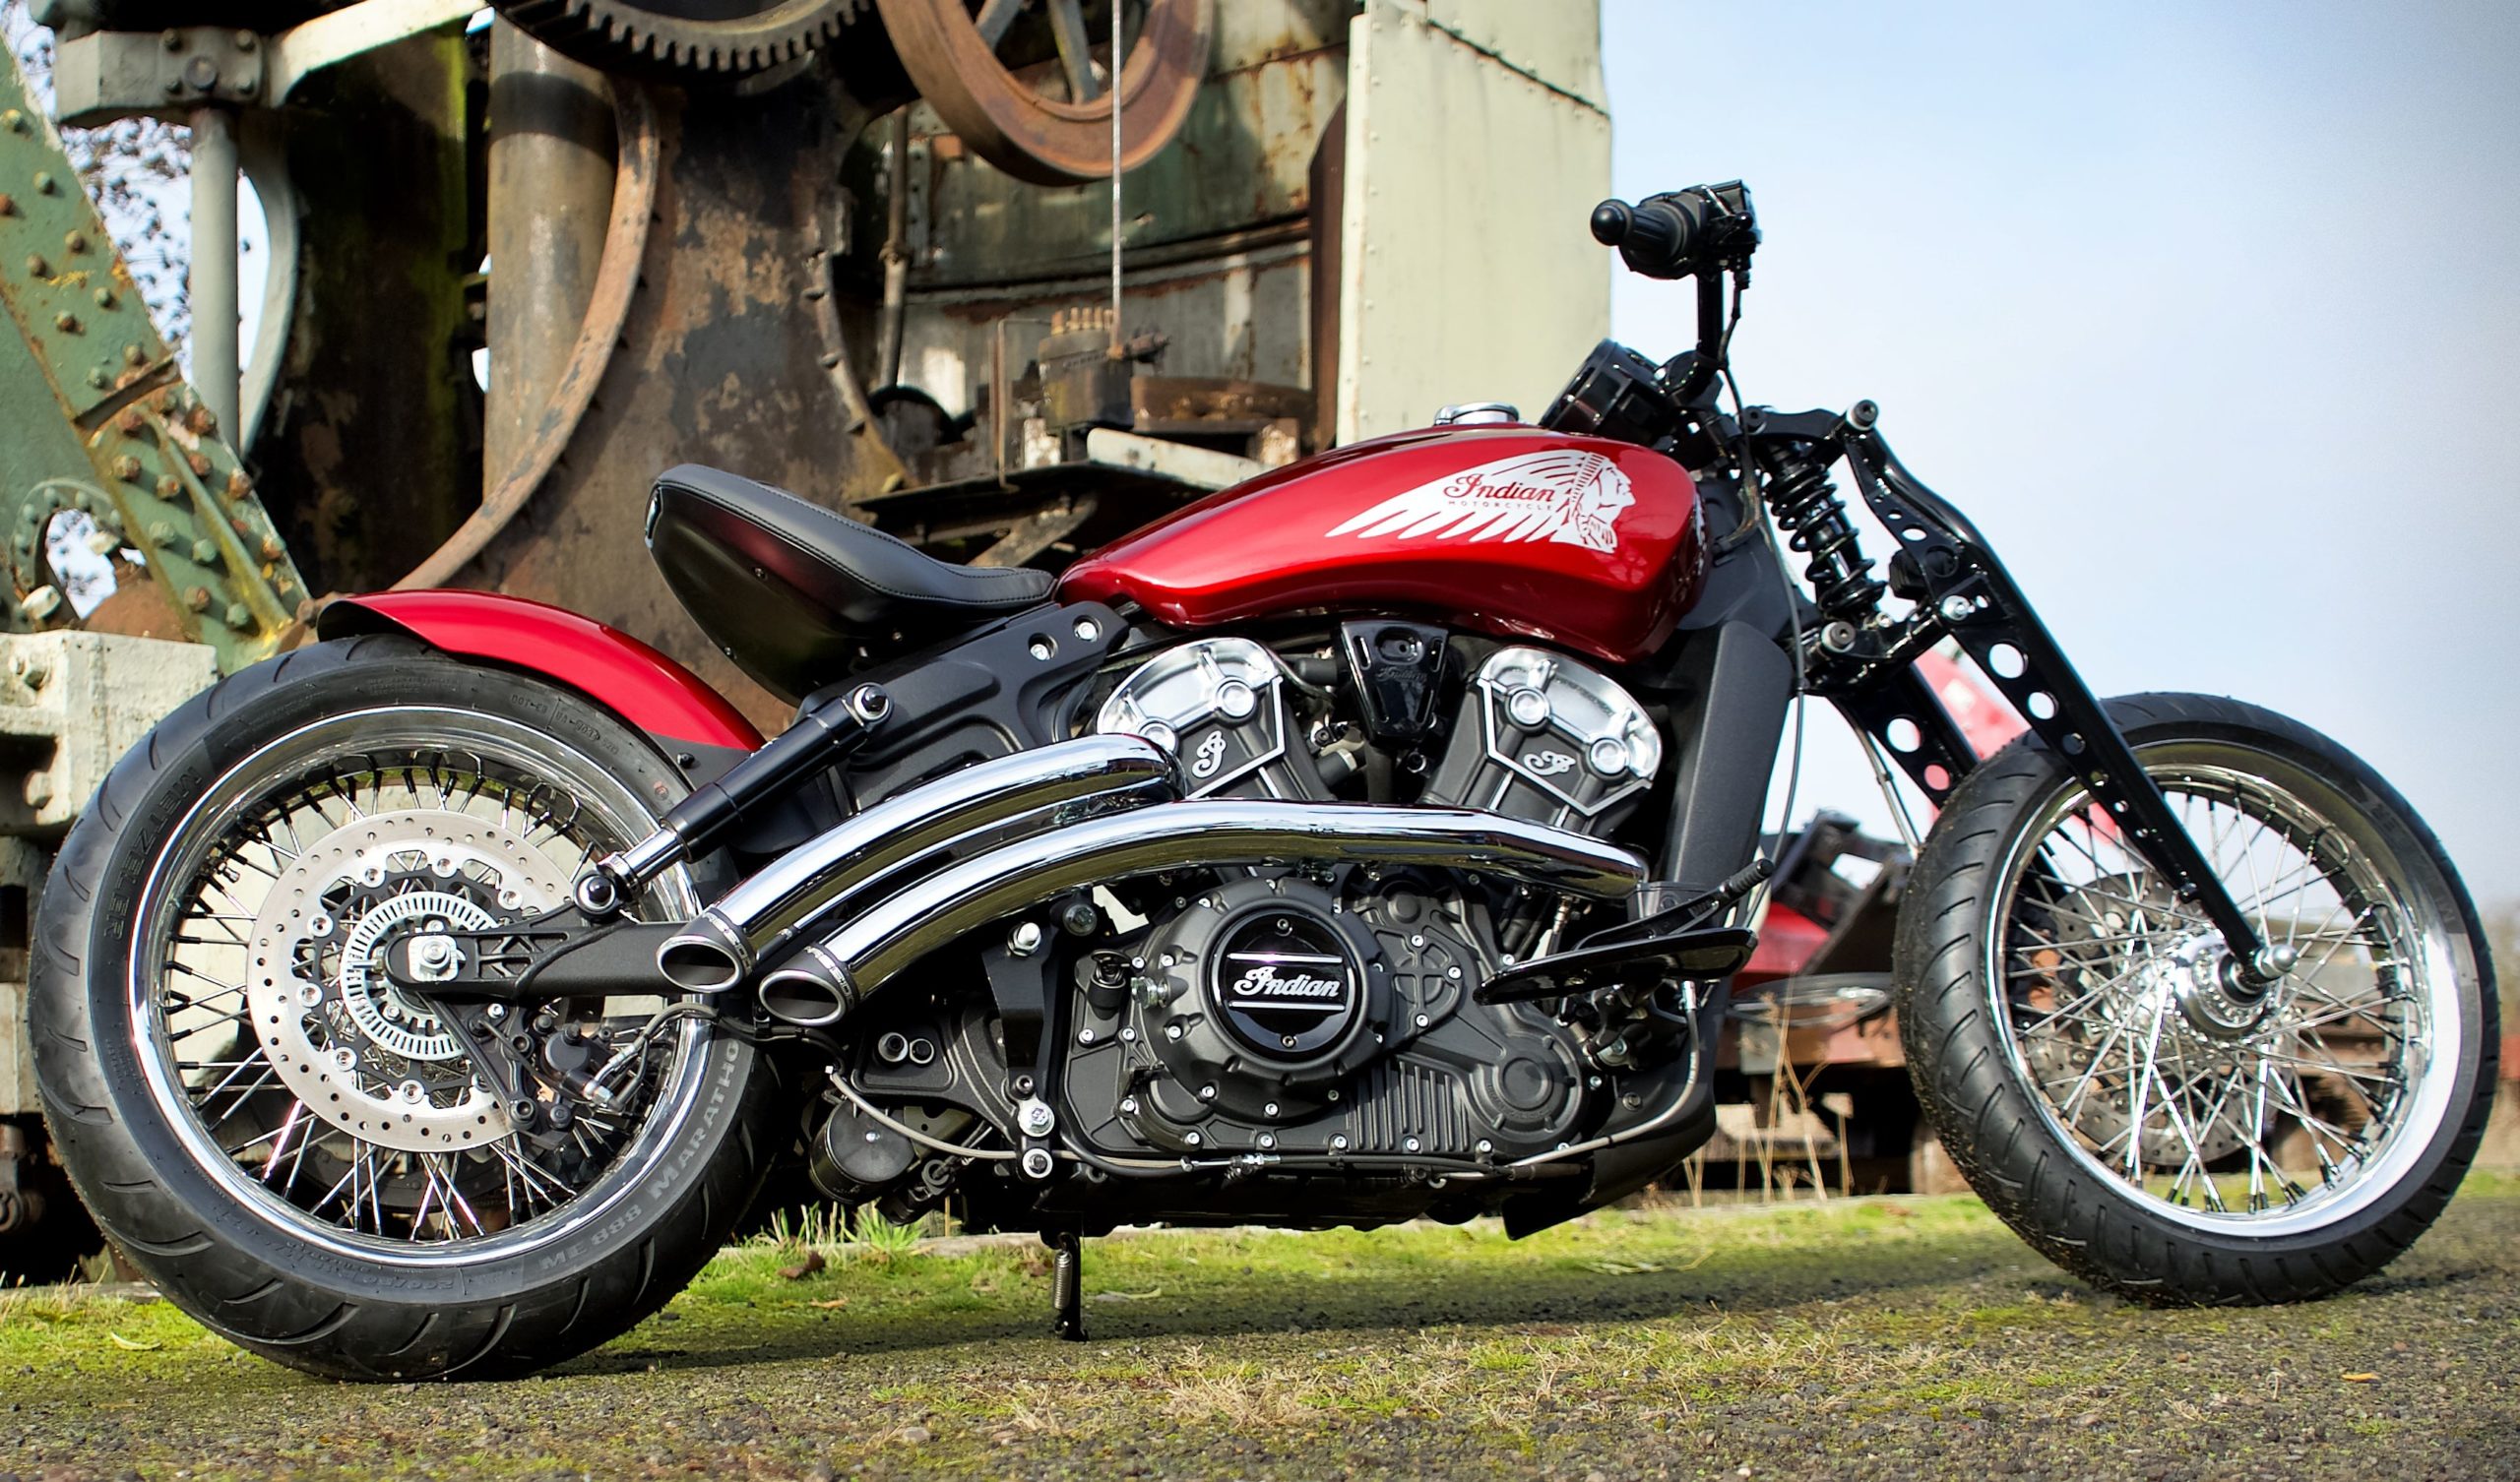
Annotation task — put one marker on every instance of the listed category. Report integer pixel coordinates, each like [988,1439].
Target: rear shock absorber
[1813,515]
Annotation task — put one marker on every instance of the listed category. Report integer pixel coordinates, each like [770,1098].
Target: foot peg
[1702,954]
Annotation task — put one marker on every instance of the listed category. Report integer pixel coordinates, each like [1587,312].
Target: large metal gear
[675,39]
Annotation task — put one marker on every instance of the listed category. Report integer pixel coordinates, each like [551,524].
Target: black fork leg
[1968,593]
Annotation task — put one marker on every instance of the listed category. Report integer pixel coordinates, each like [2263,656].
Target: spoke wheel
[331,1170]
[2212,1101]
[1027,83]
[2113,1087]
[342,1101]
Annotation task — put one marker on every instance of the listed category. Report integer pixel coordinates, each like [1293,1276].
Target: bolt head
[1024,940]
[1340,1142]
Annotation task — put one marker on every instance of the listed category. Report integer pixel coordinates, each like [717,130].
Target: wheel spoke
[1076,49]
[994,20]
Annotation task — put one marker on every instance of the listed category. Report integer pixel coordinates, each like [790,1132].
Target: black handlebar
[1681,233]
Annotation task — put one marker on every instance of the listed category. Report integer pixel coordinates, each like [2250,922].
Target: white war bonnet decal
[1575,498]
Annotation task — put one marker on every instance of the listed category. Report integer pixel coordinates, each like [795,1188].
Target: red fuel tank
[1591,545]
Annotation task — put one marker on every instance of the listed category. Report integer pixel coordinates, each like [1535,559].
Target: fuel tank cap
[1478,414]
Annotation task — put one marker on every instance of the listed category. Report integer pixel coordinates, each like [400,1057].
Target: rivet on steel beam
[246,40]
[66,321]
[98,379]
[128,423]
[198,600]
[44,182]
[26,543]
[239,615]
[104,298]
[272,549]
[35,266]
[200,463]
[133,355]
[8,205]
[162,533]
[127,469]
[173,39]
[75,241]
[41,602]
[205,551]
[169,487]
[239,485]
[202,420]
[15,120]
[242,525]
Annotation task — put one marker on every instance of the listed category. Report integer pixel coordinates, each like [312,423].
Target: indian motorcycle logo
[1574,498]
[1270,985]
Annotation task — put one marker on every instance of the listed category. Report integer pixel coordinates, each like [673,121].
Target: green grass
[1811,1336]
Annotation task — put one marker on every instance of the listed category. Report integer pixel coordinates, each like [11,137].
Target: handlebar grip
[1657,237]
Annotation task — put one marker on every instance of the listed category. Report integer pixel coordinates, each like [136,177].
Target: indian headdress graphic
[1575,498]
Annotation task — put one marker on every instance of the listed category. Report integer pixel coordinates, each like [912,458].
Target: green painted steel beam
[101,420]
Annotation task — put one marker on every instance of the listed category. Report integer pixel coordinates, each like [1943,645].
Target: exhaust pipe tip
[812,993]
[705,956]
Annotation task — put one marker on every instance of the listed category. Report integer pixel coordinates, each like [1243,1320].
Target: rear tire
[2064,1033]
[214,1223]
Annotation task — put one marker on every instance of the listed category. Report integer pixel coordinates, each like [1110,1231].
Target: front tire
[2089,1067]
[202,982]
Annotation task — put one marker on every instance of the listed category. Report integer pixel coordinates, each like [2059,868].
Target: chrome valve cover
[1220,706]
[1545,738]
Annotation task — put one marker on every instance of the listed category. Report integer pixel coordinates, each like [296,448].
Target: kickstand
[1067,1284]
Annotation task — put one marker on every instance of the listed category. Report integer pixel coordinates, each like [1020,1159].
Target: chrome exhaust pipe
[1039,789]
[810,993]
[882,939]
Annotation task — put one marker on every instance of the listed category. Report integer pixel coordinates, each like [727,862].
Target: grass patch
[1839,1338]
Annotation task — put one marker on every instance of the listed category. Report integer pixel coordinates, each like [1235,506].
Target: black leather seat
[798,594]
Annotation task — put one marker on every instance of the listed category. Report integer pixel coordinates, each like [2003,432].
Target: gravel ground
[1865,1338]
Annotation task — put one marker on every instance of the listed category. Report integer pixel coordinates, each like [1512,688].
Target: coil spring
[1814,518]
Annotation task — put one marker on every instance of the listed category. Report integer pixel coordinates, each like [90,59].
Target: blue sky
[2208,313]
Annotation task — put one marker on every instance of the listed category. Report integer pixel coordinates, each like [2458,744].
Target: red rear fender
[614,669]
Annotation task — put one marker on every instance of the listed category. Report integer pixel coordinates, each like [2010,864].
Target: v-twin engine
[1329,1011]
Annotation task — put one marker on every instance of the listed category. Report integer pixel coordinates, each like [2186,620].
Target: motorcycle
[1374,841]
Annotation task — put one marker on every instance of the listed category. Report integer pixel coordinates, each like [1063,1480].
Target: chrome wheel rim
[2252,1114]
[370,818]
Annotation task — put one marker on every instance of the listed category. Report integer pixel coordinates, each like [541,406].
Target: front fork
[1864,662]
